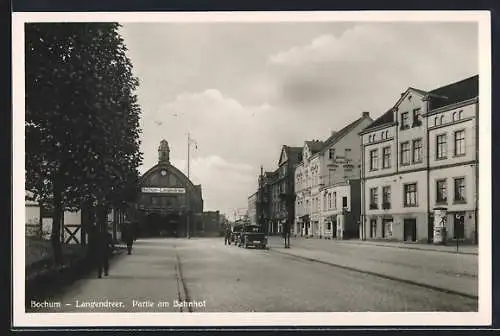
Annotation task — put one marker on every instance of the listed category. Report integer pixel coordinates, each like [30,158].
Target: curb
[423,249]
[402,247]
[381,275]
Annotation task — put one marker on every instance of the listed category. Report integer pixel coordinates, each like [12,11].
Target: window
[460,189]
[386,134]
[454,116]
[331,153]
[460,143]
[329,226]
[441,149]
[382,135]
[410,191]
[405,123]
[155,200]
[374,159]
[441,120]
[347,153]
[417,151]
[416,118]
[329,200]
[436,121]
[324,201]
[386,157]
[405,153]
[386,197]
[460,114]
[335,200]
[373,198]
[441,191]
[344,202]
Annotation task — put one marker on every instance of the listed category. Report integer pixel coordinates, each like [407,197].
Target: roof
[315,145]
[336,136]
[386,118]
[455,92]
[462,90]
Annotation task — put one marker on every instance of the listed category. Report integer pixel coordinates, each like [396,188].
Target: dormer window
[441,120]
[386,134]
[460,114]
[436,120]
[331,153]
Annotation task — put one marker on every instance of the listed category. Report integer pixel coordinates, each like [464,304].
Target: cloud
[373,63]
[225,185]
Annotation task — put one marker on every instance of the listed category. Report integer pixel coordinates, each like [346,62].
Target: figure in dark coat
[227,236]
[286,234]
[99,250]
[129,236]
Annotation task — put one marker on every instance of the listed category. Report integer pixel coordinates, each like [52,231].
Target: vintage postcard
[252,169]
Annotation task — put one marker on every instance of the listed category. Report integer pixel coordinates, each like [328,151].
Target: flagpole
[189,147]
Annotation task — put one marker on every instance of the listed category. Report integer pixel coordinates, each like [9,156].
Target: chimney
[366,114]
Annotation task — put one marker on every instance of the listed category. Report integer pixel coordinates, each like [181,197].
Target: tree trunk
[56,228]
[115,224]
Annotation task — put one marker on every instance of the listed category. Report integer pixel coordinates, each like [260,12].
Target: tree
[82,118]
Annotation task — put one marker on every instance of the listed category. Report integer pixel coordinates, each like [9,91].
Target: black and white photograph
[265,168]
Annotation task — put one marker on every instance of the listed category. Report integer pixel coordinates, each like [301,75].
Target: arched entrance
[163,225]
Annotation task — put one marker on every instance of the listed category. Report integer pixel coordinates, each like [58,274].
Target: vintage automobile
[252,235]
[235,235]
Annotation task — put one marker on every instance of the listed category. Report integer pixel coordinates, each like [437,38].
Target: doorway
[373,228]
[458,226]
[410,229]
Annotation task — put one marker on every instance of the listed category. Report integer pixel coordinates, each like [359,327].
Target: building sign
[163,190]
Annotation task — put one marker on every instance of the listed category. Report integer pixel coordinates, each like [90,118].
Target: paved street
[450,271]
[231,279]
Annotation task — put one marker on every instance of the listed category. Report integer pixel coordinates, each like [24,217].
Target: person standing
[227,236]
[286,234]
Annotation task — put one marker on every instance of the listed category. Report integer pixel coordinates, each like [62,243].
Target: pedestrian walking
[99,249]
[129,236]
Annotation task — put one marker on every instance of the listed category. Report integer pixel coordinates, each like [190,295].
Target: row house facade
[330,168]
[275,197]
[420,167]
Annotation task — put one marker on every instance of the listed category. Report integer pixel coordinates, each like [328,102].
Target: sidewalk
[449,248]
[451,272]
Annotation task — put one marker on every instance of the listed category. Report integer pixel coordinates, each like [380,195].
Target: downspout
[428,159]
[362,175]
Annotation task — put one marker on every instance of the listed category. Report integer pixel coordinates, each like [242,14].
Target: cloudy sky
[244,89]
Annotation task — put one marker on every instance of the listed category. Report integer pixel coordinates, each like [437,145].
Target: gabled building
[421,158]
[325,165]
[307,174]
[284,186]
